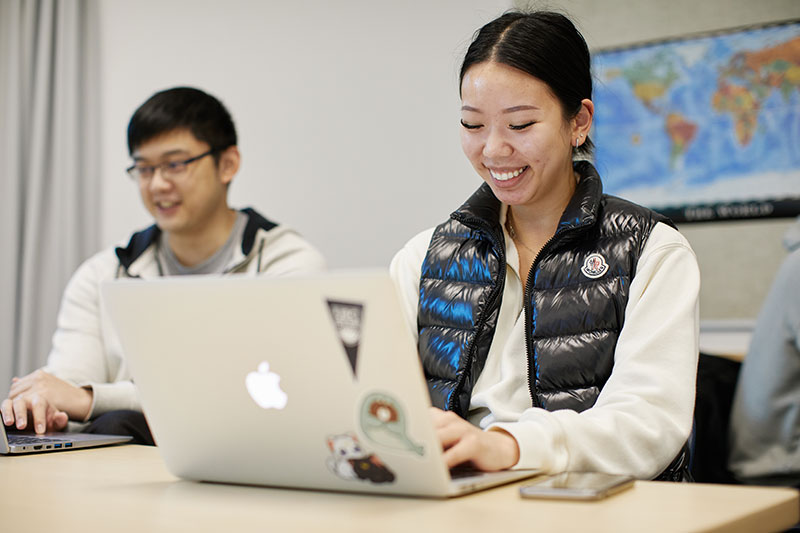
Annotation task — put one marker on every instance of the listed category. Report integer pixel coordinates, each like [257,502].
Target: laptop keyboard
[463,471]
[24,440]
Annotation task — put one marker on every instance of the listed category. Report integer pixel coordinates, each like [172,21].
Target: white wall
[347,111]
[607,23]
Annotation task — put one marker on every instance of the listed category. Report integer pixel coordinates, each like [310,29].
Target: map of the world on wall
[705,128]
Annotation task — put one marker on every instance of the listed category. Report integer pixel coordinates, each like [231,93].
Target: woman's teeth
[505,176]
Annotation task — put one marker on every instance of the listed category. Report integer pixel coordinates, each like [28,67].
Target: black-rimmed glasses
[169,169]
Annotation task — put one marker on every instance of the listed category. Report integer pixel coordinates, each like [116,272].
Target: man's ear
[229,161]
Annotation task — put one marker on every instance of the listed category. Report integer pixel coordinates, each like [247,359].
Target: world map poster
[705,128]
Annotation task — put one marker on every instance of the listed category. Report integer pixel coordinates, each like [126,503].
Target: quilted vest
[575,299]
[574,304]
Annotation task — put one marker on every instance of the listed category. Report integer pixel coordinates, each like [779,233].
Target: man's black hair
[182,108]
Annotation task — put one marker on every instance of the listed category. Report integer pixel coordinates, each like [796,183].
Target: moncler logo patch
[594,266]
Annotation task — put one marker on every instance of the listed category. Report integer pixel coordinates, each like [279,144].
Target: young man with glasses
[183,145]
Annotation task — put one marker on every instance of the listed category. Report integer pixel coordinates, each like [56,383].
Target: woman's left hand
[462,442]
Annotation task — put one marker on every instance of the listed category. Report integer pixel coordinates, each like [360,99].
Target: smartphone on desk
[577,486]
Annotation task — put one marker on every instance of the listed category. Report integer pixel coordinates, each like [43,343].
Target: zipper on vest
[526,306]
[477,223]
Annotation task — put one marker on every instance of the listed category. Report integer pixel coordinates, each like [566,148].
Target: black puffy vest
[575,297]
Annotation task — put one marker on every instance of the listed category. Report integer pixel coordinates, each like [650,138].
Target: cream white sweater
[643,414]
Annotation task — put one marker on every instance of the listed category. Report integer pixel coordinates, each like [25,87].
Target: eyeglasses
[169,169]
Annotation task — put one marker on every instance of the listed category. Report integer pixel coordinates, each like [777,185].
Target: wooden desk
[127,488]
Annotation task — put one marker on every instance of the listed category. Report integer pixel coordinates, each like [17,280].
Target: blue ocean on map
[702,120]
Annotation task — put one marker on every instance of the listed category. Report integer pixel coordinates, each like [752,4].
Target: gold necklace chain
[513,233]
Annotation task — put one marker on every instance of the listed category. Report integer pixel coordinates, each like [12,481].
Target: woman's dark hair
[183,108]
[545,45]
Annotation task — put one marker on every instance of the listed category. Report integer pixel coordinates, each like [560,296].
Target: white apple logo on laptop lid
[265,389]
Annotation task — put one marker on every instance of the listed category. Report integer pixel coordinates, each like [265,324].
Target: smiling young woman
[557,325]
[517,138]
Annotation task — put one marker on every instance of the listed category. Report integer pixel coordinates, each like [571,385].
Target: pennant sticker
[347,319]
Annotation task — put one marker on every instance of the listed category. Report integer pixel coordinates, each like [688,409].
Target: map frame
[778,204]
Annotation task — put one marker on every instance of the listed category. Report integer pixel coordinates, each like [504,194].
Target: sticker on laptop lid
[384,422]
[347,319]
[348,460]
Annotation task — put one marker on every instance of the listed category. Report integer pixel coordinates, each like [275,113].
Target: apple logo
[265,389]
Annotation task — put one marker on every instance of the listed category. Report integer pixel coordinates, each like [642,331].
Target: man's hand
[462,442]
[50,401]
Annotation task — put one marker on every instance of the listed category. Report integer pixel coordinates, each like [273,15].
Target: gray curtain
[49,161]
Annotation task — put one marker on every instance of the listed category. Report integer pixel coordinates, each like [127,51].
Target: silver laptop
[13,441]
[305,382]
